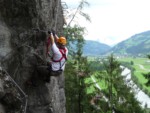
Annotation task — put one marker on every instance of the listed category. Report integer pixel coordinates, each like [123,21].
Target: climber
[59,56]
[56,65]
[60,52]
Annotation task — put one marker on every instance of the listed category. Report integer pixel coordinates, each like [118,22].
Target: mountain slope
[137,44]
[94,48]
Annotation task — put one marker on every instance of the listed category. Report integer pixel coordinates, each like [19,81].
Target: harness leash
[63,53]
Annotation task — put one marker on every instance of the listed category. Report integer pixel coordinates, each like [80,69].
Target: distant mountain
[137,44]
[94,48]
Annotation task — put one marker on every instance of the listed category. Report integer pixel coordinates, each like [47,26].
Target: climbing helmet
[62,40]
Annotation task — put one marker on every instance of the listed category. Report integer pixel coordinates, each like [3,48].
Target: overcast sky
[113,21]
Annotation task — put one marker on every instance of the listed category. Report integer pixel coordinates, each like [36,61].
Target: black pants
[45,72]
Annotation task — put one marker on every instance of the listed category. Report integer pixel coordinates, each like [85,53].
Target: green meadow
[92,88]
[141,65]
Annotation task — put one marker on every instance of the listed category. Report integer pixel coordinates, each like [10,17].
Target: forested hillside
[94,48]
[137,44]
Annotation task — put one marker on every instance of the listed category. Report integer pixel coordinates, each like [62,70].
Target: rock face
[19,40]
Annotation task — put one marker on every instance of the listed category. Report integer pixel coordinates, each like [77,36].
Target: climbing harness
[63,52]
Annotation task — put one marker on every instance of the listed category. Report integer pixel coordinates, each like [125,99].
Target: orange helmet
[62,40]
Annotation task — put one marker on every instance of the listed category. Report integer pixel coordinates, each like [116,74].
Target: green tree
[132,63]
[79,9]
[147,75]
[121,98]
[76,72]
[76,68]
[112,79]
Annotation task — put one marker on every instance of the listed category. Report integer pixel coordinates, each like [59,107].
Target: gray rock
[2,110]
[18,41]
[2,93]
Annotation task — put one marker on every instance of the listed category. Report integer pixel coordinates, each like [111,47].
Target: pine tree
[76,68]
[147,75]
[76,72]
[120,97]
[79,9]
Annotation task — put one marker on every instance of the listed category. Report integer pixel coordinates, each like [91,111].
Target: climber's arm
[52,38]
[56,37]
[54,48]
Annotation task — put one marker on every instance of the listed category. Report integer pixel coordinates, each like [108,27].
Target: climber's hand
[53,31]
[49,32]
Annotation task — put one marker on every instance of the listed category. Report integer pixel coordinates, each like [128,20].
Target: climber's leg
[43,73]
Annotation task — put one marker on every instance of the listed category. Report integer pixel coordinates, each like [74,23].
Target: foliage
[74,36]
[79,9]
[138,72]
[76,72]
[95,66]
[135,45]
[132,63]
[118,100]
[147,75]
[76,69]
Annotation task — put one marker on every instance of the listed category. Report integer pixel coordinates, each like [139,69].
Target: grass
[142,61]
[92,88]
[141,66]
[101,83]
[138,73]
[139,70]
[147,110]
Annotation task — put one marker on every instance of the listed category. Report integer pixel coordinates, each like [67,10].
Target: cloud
[115,20]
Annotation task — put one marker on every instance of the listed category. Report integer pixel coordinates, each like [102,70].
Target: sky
[113,21]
